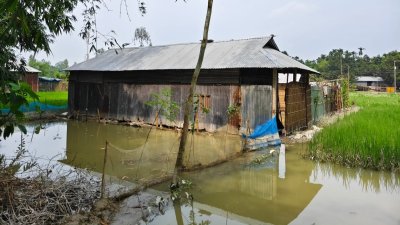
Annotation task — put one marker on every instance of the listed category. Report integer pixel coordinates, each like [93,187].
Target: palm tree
[360,52]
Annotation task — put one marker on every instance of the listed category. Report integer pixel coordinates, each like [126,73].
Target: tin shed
[237,75]
[30,76]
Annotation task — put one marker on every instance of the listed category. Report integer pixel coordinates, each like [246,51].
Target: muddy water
[283,189]
[132,153]
[295,192]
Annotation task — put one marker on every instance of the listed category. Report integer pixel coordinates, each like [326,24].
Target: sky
[303,28]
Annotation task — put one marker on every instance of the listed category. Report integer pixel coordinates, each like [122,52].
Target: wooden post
[275,92]
[98,115]
[306,81]
[103,186]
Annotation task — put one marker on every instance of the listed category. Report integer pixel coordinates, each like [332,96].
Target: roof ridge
[191,43]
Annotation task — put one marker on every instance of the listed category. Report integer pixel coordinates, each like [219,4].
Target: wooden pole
[103,186]
[394,75]
[189,103]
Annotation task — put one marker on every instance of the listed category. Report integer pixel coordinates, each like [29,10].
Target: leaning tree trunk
[189,103]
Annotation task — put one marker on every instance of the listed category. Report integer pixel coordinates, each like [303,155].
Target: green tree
[44,66]
[164,105]
[142,36]
[330,65]
[48,70]
[26,26]
[189,102]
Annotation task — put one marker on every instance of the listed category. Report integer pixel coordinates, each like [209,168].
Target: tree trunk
[189,103]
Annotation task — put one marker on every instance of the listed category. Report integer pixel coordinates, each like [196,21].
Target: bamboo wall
[295,106]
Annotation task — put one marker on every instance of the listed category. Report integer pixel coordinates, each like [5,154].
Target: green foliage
[181,191]
[90,30]
[205,110]
[47,70]
[342,61]
[163,104]
[261,159]
[14,165]
[26,26]
[15,96]
[345,92]
[368,138]
[232,110]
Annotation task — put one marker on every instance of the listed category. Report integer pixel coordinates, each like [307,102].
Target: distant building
[31,77]
[48,83]
[369,83]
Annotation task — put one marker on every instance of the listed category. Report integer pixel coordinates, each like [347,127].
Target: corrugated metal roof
[369,78]
[246,53]
[49,79]
[30,69]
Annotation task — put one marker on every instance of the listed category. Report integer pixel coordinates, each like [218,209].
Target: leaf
[37,129]
[14,86]
[22,128]
[8,130]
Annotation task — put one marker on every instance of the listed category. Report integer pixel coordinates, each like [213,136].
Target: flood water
[283,189]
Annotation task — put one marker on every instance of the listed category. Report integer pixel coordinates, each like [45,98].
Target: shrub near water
[369,138]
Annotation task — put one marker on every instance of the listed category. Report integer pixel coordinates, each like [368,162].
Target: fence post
[103,188]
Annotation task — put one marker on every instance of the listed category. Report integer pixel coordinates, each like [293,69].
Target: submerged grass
[368,138]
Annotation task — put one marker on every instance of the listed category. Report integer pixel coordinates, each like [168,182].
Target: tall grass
[369,138]
[56,98]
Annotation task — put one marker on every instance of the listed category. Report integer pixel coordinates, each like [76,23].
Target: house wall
[48,86]
[32,79]
[368,84]
[123,96]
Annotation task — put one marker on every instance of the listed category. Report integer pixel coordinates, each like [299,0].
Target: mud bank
[307,135]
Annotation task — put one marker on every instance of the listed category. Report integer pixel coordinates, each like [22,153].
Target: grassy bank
[47,98]
[368,138]
[58,98]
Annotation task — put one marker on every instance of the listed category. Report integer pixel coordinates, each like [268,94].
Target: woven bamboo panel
[298,106]
[282,103]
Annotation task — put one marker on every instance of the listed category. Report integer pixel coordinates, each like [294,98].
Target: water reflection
[48,145]
[256,193]
[368,180]
[236,192]
[132,157]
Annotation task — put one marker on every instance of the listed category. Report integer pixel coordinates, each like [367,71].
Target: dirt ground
[143,204]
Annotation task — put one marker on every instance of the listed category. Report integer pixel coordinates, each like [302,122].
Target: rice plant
[56,98]
[369,138]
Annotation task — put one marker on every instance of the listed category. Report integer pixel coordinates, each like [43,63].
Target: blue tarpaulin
[269,127]
[264,135]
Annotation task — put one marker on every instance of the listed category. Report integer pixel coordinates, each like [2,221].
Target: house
[236,74]
[369,82]
[31,77]
[48,83]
